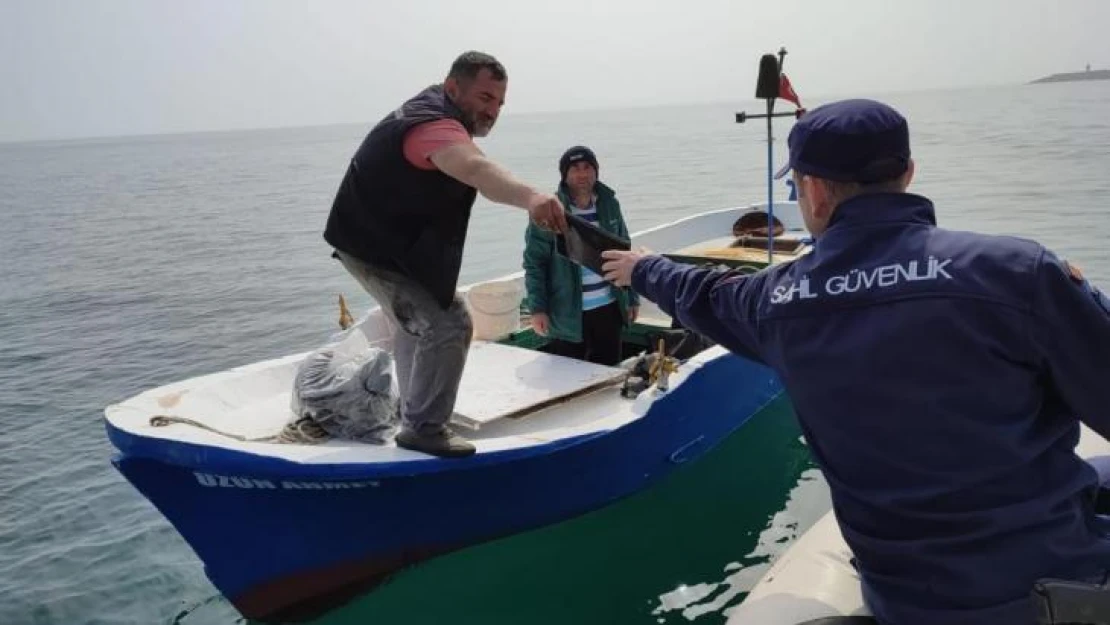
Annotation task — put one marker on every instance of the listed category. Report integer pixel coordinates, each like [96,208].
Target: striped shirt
[596,291]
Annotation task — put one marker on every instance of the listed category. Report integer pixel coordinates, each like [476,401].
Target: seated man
[940,378]
[582,313]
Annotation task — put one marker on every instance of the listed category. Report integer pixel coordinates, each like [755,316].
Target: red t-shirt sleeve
[424,139]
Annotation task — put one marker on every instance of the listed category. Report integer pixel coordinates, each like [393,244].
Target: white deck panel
[501,381]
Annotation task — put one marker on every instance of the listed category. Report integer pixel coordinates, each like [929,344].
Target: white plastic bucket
[495,308]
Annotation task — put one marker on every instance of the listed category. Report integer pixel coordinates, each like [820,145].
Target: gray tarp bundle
[347,388]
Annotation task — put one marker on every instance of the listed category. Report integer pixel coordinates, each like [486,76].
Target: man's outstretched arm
[717,304]
[467,164]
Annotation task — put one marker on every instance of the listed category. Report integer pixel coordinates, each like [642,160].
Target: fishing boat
[289,527]
[286,530]
[814,583]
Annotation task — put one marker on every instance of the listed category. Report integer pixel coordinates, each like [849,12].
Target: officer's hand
[618,266]
[547,212]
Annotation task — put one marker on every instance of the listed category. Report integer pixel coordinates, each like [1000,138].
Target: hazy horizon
[119,68]
[743,104]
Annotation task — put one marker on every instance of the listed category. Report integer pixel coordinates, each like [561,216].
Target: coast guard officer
[940,378]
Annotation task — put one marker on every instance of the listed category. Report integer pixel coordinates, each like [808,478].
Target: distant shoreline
[1098,74]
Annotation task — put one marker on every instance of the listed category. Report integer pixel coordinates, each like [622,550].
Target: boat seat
[1061,602]
[1058,602]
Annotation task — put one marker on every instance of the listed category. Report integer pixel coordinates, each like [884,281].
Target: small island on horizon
[1089,74]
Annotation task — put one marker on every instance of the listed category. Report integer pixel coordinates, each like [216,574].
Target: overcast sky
[109,67]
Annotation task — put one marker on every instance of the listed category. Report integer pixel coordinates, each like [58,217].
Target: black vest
[393,215]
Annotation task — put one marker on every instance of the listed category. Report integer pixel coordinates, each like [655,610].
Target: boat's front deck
[501,381]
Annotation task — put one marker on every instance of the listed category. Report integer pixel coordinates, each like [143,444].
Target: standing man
[582,313]
[940,378]
[399,222]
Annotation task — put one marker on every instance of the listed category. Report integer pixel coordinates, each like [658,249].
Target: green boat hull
[659,556]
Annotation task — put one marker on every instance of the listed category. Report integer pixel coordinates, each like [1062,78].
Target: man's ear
[820,198]
[451,87]
[907,177]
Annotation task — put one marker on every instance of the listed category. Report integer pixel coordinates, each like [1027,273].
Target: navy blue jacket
[940,378]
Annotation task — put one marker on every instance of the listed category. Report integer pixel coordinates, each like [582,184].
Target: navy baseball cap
[850,141]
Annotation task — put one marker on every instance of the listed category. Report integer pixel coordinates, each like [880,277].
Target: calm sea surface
[129,263]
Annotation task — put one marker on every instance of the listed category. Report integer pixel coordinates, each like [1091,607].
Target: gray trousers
[430,344]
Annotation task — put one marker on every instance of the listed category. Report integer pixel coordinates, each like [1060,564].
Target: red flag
[786,91]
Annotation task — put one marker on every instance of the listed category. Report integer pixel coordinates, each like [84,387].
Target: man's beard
[481,125]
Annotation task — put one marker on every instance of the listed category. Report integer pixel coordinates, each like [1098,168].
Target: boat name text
[229,481]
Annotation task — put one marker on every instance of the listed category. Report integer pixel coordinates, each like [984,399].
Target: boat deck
[502,381]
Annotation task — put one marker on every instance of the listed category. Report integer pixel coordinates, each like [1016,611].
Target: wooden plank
[500,381]
[741,253]
[613,380]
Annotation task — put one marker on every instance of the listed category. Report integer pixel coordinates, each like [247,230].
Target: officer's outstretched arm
[717,304]
[1071,331]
